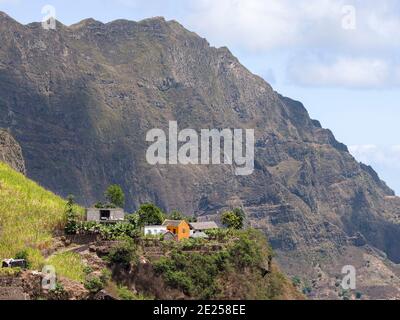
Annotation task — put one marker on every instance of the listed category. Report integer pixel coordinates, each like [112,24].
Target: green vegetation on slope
[28,215]
[236,271]
[69,265]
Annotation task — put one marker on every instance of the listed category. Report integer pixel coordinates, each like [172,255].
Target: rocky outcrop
[81,99]
[27,285]
[10,152]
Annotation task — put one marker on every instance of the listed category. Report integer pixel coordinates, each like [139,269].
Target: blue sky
[339,57]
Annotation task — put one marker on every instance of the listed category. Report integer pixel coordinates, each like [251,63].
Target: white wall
[154,230]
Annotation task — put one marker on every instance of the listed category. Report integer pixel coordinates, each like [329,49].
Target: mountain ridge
[90,95]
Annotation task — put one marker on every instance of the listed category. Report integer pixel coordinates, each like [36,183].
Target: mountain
[11,153]
[80,100]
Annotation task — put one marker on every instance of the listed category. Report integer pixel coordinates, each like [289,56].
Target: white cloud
[266,25]
[343,72]
[387,156]
[363,57]
[384,159]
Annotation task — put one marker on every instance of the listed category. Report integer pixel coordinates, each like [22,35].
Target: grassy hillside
[28,215]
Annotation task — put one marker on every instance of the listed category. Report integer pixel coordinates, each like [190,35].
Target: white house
[154,230]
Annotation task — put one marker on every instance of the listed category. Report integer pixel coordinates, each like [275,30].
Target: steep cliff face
[10,152]
[81,99]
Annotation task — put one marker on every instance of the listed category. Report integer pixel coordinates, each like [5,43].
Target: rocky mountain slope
[10,152]
[80,100]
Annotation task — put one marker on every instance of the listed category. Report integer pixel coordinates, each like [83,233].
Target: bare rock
[11,152]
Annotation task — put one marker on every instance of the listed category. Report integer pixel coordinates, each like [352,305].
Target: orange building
[178,227]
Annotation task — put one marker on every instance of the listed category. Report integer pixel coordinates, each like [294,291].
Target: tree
[240,213]
[176,215]
[123,254]
[115,196]
[149,214]
[233,219]
[99,205]
[71,225]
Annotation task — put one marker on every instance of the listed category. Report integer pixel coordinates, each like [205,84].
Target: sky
[341,58]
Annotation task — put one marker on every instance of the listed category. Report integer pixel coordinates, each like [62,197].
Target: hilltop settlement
[104,253]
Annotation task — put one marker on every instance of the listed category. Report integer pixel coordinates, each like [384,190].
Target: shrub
[118,231]
[296,281]
[195,274]
[71,216]
[23,254]
[58,292]
[87,270]
[233,219]
[122,254]
[105,275]
[125,294]
[133,219]
[246,252]
[190,244]
[109,231]
[221,235]
[94,284]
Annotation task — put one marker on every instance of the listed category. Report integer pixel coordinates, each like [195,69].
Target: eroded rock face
[81,99]
[10,152]
[27,285]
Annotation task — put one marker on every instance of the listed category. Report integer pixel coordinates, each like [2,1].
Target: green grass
[68,265]
[125,294]
[28,215]
[9,272]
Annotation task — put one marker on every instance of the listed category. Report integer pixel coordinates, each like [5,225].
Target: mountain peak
[85,23]
[154,19]
[4,17]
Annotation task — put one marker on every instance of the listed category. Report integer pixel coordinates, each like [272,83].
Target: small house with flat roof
[203,226]
[105,215]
